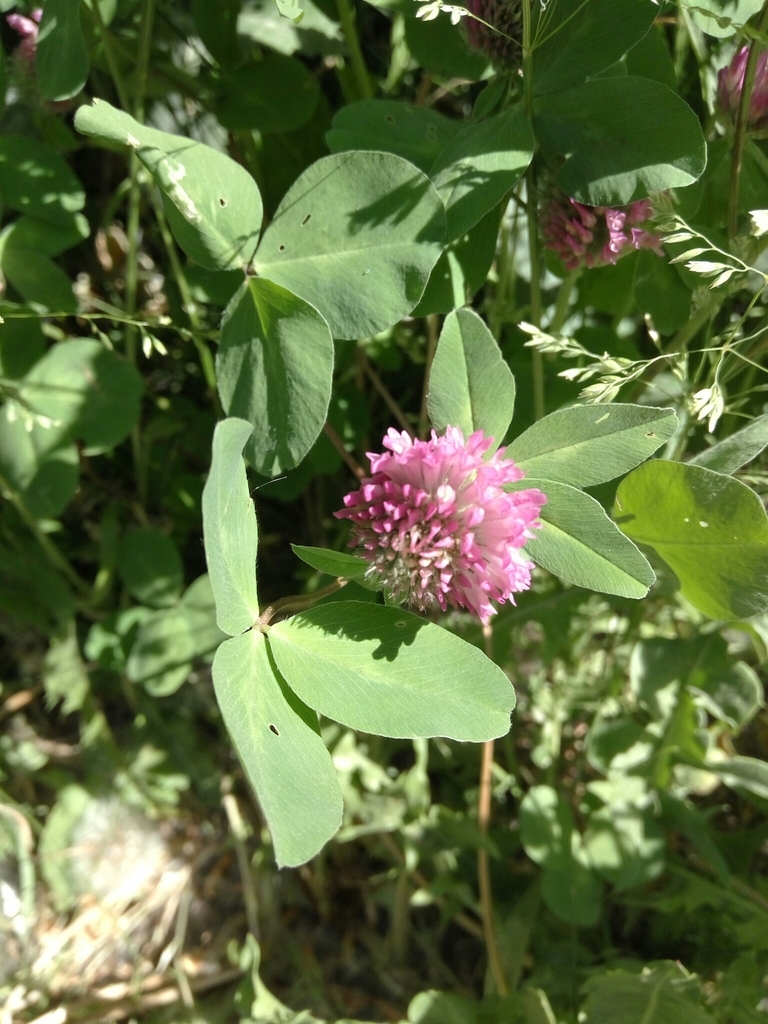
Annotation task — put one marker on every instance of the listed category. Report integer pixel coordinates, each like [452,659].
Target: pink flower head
[730,82]
[437,525]
[594,236]
[27,28]
[503,40]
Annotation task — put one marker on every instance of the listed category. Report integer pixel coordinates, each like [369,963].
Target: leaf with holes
[417,134]
[356,236]
[581,545]
[392,673]
[274,368]
[589,444]
[710,529]
[279,744]
[213,204]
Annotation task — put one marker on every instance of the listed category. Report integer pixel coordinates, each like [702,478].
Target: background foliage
[274,230]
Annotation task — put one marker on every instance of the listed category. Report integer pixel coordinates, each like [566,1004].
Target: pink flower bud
[730,82]
[27,28]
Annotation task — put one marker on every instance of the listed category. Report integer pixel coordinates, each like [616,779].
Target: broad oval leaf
[87,392]
[662,992]
[61,61]
[274,368]
[356,236]
[574,40]
[710,529]
[462,269]
[586,445]
[44,477]
[622,138]
[581,545]
[737,450]
[480,165]
[279,745]
[386,671]
[251,90]
[417,134]
[229,530]
[162,653]
[150,566]
[470,385]
[37,180]
[213,204]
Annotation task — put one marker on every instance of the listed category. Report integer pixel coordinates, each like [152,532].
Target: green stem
[382,389]
[533,225]
[52,553]
[562,302]
[187,301]
[111,56]
[359,70]
[742,117]
[298,602]
[432,338]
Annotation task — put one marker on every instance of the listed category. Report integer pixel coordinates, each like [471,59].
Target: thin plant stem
[330,432]
[187,301]
[432,336]
[533,227]
[377,382]
[483,867]
[240,832]
[111,56]
[298,602]
[52,553]
[562,302]
[740,133]
[359,70]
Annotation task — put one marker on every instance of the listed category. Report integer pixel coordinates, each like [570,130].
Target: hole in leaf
[651,433]
[273,728]
[306,219]
[401,623]
[389,118]
[222,201]
[281,248]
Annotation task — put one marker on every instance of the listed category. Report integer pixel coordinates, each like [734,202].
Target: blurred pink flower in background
[27,28]
[438,527]
[730,82]
[594,236]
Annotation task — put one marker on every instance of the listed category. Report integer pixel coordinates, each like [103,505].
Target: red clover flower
[502,35]
[594,236]
[730,82]
[437,525]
